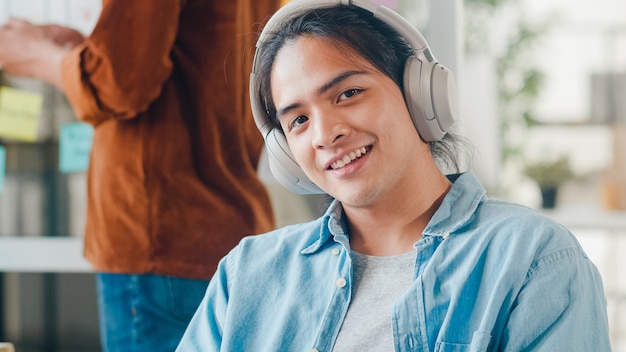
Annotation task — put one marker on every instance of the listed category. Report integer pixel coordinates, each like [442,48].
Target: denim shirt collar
[458,206]
[456,210]
[332,225]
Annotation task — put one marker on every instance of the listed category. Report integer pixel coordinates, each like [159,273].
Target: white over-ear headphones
[429,89]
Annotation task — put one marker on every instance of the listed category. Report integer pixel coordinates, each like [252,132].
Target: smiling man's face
[346,122]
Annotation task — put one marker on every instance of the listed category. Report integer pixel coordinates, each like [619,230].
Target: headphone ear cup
[284,167]
[430,96]
[413,97]
[445,100]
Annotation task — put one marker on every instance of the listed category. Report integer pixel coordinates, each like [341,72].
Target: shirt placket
[409,312]
[338,306]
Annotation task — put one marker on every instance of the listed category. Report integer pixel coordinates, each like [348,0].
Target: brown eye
[298,121]
[349,94]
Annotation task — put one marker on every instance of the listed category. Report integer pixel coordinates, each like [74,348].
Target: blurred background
[542,88]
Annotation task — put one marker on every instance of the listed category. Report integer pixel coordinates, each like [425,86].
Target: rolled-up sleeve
[120,68]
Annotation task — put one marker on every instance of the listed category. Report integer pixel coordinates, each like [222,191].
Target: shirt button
[341,282]
[446,235]
[315,350]
[335,251]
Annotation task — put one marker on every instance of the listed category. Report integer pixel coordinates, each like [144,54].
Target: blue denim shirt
[489,276]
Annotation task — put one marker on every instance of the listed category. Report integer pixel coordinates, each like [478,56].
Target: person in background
[172,180]
[411,255]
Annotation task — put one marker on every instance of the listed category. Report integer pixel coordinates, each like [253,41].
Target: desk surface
[43,254]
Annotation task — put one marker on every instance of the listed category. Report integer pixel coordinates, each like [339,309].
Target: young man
[351,101]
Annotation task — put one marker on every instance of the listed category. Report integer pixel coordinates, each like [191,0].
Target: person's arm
[120,68]
[27,50]
[205,330]
[562,307]
[64,36]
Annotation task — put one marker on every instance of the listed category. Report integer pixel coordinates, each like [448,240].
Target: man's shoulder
[514,213]
[517,224]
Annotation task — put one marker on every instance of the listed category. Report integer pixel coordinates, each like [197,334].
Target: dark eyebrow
[321,90]
[338,79]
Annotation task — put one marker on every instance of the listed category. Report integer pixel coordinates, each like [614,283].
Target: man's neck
[394,228]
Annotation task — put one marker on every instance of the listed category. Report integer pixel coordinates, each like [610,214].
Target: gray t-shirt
[377,283]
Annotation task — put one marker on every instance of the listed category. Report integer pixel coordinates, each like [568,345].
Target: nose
[329,128]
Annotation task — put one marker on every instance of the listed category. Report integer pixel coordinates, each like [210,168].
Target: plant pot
[548,197]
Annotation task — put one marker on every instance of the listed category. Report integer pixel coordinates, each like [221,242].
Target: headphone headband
[429,88]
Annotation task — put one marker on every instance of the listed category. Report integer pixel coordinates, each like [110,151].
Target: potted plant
[549,175]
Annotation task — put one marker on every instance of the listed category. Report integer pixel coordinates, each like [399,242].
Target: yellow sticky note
[19,114]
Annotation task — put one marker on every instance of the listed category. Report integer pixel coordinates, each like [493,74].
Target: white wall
[80,14]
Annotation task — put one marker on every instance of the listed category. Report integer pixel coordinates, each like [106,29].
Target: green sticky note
[3,167]
[75,141]
[19,114]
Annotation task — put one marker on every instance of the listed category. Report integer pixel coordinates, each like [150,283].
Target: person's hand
[21,44]
[27,50]
[63,36]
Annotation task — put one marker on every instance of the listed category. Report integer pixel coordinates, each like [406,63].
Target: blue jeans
[140,313]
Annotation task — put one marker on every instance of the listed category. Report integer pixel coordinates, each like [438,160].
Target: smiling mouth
[350,157]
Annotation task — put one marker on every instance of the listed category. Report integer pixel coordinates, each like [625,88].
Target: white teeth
[348,158]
